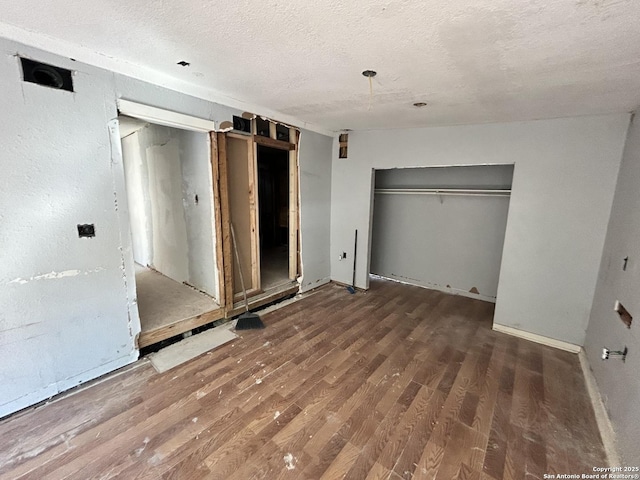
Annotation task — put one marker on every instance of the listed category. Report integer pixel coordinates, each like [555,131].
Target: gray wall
[69,309]
[563,184]
[450,243]
[315,208]
[618,382]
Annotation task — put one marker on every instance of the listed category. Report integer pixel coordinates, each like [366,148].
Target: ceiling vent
[46,75]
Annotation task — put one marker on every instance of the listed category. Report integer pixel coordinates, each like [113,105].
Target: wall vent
[46,75]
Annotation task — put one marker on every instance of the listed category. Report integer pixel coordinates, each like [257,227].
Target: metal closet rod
[475,192]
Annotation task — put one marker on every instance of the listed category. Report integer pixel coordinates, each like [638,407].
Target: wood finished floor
[398,382]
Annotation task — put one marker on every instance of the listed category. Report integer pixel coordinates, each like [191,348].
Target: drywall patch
[226,125]
[54,275]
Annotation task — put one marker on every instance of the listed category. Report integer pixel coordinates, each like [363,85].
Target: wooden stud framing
[223,186]
[182,326]
[254,213]
[254,251]
[217,204]
[273,143]
[293,206]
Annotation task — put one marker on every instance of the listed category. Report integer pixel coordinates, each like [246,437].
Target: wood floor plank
[399,382]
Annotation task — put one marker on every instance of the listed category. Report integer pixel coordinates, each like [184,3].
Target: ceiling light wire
[370,74]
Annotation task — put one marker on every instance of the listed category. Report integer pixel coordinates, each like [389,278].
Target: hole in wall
[197,200]
[343,140]
[282,133]
[241,124]
[46,75]
[87,230]
[625,316]
[262,127]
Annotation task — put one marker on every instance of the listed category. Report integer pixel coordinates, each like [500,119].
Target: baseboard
[534,337]
[439,288]
[602,418]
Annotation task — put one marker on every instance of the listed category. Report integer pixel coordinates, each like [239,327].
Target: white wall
[168,226]
[315,207]
[199,217]
[69,309]
[136,181]
[165,168]
[563,184]
[618,382]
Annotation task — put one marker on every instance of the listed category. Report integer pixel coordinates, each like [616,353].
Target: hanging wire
[370,74]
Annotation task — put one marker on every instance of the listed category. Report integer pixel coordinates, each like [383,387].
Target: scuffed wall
[69,309]
[618,381]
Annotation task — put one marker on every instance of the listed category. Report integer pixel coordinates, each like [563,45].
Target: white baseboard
[429,286]
[534,337]
[602,418]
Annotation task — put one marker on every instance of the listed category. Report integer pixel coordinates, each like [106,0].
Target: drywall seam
[602,418]
[124,233]
[549,342]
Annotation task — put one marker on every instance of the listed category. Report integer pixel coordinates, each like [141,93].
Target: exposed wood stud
[343,141]
[217,209]
[227,265]
[171,330]
[293,207]
[253,212]
[270,142]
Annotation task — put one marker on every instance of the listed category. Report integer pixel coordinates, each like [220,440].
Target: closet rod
[475,192]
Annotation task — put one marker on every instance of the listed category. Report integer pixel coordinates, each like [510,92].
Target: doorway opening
[273,194]
[170,201]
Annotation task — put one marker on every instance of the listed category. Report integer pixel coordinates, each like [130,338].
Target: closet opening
[441,227]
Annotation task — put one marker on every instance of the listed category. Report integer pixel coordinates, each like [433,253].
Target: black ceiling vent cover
[46,75]
[241,124]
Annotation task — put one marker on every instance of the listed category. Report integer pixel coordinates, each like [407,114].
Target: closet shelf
[475,192]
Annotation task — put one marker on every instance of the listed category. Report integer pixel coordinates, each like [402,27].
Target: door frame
[220,171]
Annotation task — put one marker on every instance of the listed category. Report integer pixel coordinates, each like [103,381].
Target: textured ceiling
[472,61]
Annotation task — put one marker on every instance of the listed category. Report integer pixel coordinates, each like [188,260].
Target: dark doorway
[273,195]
